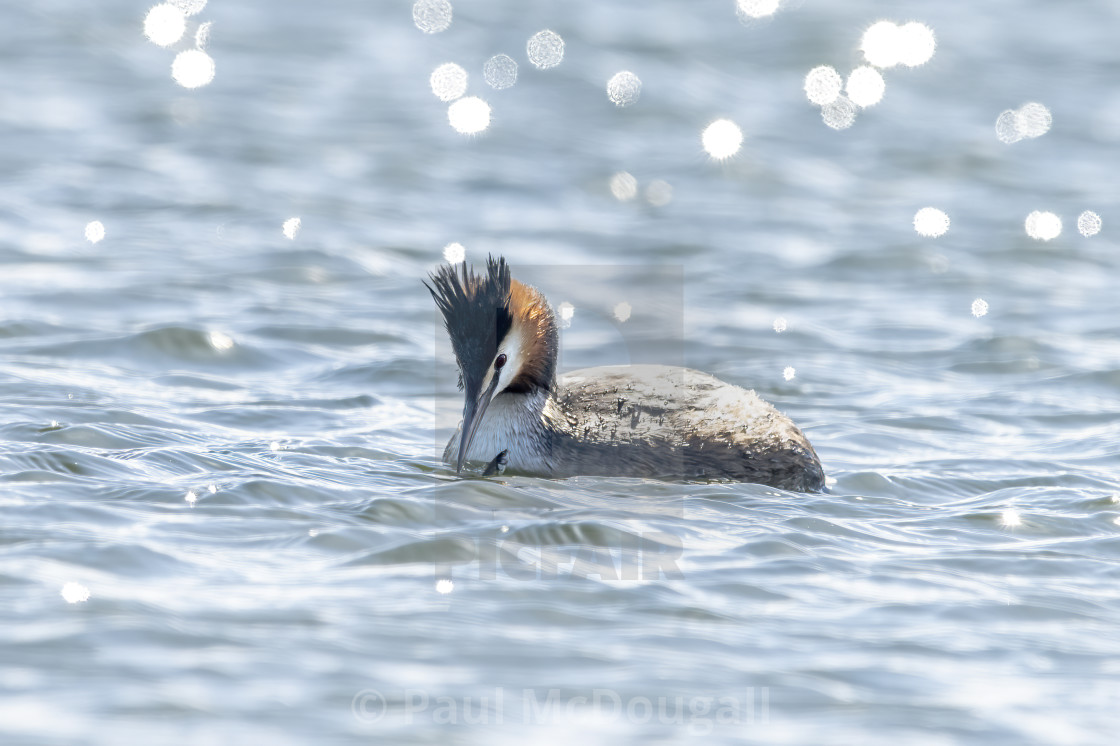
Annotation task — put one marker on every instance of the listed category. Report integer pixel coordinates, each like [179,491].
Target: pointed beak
[473,412]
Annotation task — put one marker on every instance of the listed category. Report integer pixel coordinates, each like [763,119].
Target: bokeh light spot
[1043,226]
[202,36]
[622,312]
[881,44]
[291,227]
[840,114]
[624,186]
[917,44]
[164,25]
[1007,127]
[454,252]
[758,8]
[659,193]
[95,231]
[469,115]
[545,49]
[445,585]
[500,71]
[886,44]
[1010,518]
[1089,223]
[1029,120]
[1034,119]
[192,68]
[448,81]
[780,324]
[189,7]
[822,85]
[624,88]
[865,86]
[789,373]
[931,222]
[722,139]
[432,16]
[979,307]
[75,593]
[220,341]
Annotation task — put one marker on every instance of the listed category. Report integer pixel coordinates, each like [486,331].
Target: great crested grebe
[637,421]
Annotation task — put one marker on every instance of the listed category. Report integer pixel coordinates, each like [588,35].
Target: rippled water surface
[223,518]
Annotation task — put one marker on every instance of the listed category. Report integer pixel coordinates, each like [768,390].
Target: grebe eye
[500,361]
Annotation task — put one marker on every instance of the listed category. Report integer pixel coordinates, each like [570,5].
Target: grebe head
[503,334]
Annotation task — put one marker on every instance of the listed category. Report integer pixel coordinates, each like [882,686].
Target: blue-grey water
[223,518]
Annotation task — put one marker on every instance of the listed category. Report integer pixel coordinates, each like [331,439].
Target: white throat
[513,423]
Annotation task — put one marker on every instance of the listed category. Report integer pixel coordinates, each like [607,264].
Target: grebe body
[637,421]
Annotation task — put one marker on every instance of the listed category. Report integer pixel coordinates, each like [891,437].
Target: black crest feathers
[476,314]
